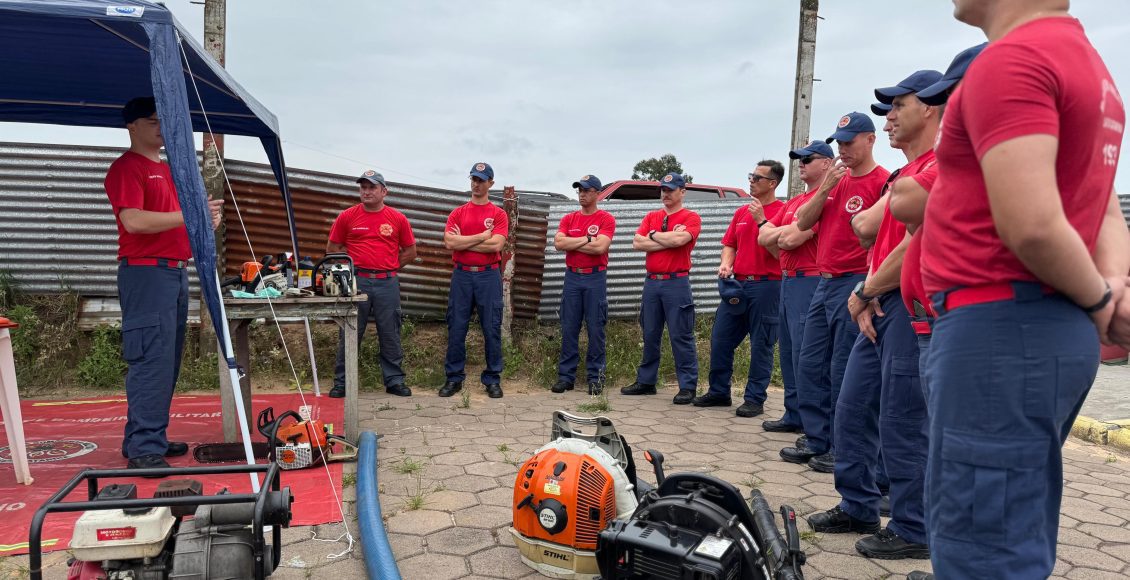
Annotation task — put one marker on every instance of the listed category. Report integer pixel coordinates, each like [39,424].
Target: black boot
[835,521]
[450,388]
[887,545]
[638,389]
[562,386]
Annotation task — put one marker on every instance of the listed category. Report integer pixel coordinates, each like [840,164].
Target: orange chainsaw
[302,443]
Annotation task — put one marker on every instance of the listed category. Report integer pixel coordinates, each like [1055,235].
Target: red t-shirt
[671,259]
[751,259]
[923,170]
[579,225]
[135,182]
[910,279]
[473,219]
[839,251]
[373,238]
[1056,85]
[804,257]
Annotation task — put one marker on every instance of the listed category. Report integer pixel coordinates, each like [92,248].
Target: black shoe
[338,392]
[749,410]
[175,449]
[712,400]
[683,397]
[596,387]
[885,506]
[562,386]
[887,545]
[399,390]
[919,575]
[798,454]
[638,389]
[494,390]
[824,463]
[780,426]
[450,388]
[835,521]
[148,462]
[802,441]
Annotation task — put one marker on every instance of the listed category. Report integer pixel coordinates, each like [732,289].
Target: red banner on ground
[63,437]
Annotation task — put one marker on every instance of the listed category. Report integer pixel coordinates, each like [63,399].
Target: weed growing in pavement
[419,407]
[465,399]
[348,480]
[752,482]
[385,406]
[1112,459]
[408,466]
[809,536]
[416,500]
[510,459]
[103,367]
[503,448]
[595,404]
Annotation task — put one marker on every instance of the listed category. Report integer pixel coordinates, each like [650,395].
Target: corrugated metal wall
[626,266]
[59,229]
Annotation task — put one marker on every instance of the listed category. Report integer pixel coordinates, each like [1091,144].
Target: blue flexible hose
[380,563]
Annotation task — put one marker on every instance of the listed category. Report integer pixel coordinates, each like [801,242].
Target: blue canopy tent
[77,62]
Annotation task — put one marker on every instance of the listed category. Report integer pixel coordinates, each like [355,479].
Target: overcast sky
[549,91]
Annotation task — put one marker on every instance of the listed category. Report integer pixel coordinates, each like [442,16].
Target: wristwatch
[763,222]
[651,235]
[589,237]
[858,291]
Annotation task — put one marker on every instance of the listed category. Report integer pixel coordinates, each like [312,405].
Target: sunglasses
[754,178]
[663,228]
[810,158]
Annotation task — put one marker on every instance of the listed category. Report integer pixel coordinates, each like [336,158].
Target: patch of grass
[503,448]
[1112,459]
[385,406]
[9,290]
[416,500]
[348,480]
[596,404]
[752,482]
[809,536]
[408,466]
[510,459]
[419,407]
[198,372]
[103,367]
[465,399]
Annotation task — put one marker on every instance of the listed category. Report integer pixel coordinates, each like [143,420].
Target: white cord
[270,304]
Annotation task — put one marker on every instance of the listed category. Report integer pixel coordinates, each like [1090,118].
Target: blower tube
[782,555]
[380,564]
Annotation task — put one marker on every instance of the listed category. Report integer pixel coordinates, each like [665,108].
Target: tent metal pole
[237,394]
[310,348]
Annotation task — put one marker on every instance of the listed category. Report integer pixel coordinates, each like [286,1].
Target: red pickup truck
[627,190]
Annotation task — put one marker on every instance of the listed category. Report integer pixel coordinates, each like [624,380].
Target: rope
[270,304]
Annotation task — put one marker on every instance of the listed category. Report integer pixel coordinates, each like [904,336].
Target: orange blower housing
[563,498]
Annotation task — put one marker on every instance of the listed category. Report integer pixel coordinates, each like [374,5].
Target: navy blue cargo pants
[1006,381]
[668,302]
[755,316]
[470,291]
[383,305]
[829,335]
[154,303]
[881,407]
[796,297]
[584,298]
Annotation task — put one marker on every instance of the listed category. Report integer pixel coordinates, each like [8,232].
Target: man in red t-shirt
[668,235]
[851,186]
[476,233]
[750,287]
[153,255]
[797,253]
[1025,255]
[585,237]
[379,240]
[881,411]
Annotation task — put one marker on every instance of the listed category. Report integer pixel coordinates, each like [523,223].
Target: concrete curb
[1114,434]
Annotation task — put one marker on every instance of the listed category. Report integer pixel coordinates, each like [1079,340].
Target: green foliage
[596,404]
[199,372]
[9,290]
[655,168]
[46,345]
[103,367]
[25,338]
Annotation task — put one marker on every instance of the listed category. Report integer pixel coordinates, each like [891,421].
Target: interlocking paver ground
[470,456]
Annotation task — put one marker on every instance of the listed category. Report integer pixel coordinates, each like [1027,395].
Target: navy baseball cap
[588,182]
[911,84]
[937,93]
[881,110]
[730,290]
[372,177]
[851,125]
[673,181]
[138,108]
[815,148]
[483,171]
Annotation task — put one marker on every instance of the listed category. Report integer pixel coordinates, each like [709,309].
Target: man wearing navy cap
[853,185]
[796,251]
[476,233]
[881,405]
[379,240]
[755,312]
[585,237]
[153,255]
[1026,255]
[668,235]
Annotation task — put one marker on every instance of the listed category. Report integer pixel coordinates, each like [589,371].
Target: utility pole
[802,95]
[215,25]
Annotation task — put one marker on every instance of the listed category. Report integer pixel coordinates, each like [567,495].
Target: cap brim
[372,180]
[880,110]
[887,95]
[936,94]
[843,136]
[481,175]
[670,186]
[802,152]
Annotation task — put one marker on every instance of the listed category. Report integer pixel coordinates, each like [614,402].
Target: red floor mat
[66,436]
